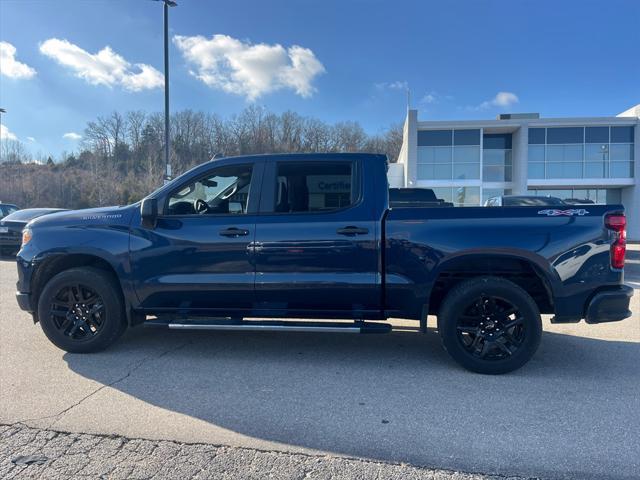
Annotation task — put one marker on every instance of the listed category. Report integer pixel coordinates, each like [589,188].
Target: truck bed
[564,250]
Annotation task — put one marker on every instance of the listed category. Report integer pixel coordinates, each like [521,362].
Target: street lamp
[167,4]
[2,110]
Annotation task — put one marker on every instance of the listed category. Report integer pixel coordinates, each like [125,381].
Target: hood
[25,215]
[86,217]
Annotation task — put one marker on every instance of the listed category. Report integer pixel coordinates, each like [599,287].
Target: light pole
[167,4]
[2,110]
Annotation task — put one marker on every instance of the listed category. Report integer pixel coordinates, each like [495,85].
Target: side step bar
[272,325]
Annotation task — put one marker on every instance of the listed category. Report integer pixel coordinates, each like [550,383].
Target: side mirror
[149,212]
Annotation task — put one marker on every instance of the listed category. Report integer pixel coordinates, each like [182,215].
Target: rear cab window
[313,187]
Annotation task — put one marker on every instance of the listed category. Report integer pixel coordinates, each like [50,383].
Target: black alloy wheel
[491,328]
[490,325]
[77,311]
[81,310]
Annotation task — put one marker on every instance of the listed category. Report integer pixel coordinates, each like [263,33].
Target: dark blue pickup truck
[314,237]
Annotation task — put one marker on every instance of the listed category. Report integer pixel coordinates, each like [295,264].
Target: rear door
[315,249]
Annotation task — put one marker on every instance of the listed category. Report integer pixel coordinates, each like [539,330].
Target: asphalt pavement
[572,412]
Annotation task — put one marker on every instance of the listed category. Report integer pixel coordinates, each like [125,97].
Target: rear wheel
[81,310]
[490,325]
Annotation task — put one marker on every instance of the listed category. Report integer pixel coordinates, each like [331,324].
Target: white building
[467,162]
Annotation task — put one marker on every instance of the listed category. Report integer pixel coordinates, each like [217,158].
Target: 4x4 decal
[554,212]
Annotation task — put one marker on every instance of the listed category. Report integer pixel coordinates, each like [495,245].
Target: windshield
[7,210]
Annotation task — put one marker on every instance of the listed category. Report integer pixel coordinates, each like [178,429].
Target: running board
[268,325]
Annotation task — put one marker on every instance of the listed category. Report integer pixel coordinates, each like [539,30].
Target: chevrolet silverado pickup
[312,236]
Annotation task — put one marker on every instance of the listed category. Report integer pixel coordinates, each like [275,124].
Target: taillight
[618,223]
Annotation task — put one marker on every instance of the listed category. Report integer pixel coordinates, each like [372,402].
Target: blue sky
[335,60]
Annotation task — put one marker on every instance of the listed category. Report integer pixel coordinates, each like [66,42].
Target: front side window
[224,191]
[313,187]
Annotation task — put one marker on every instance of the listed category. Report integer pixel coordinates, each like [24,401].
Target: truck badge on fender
[554,212]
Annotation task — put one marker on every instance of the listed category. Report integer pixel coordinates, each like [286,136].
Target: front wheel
[490,325]
[81,310]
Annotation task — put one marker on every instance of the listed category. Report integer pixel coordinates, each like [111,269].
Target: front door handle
[350,230]
[234,232]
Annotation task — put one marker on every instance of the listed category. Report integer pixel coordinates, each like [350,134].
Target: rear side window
[313,187]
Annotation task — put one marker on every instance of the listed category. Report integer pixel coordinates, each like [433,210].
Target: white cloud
[9,66]
[397,85]
[72,136]
[31,139]
[103,68]
[433,97]
[6,134]
[502,99]
[250,70]
[430,97]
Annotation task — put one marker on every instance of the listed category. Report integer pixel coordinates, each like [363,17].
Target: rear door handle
[234,232]
[350,230]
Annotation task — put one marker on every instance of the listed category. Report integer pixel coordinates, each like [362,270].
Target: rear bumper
[609,305]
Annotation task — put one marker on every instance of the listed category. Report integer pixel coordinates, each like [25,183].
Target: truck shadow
[395,397]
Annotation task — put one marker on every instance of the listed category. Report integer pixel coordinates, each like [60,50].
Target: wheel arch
[524,270]
[51,265]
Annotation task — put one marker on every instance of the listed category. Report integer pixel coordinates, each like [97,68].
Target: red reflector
[618,251]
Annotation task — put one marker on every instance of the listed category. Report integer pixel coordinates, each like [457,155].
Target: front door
[198,258]
[315,247]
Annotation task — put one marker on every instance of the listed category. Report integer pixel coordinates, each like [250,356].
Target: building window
[559,135]
[435,138]
[497,164]
[564,170]
[596,135]
[621,134]
[581,152]
[466,137]
[449,154]
[564,153]
[536,170]
[537,136]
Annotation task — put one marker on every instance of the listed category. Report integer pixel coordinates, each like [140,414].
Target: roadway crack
[58,416]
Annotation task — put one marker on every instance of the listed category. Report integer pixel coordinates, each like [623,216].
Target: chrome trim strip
[256,327]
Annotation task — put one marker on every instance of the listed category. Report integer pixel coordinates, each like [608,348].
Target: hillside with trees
[121,157]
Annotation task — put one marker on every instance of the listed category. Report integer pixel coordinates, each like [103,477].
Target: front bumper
[24,301]
[9,245]
[609,305]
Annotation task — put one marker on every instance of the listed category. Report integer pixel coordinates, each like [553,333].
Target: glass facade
[581,152]
[467,166]
[449,154]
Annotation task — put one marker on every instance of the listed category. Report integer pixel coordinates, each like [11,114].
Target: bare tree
[121,156]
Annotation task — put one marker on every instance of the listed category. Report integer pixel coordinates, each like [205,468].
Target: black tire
[490,325]
[94,317]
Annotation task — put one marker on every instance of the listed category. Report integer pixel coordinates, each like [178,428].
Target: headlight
[26,236]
